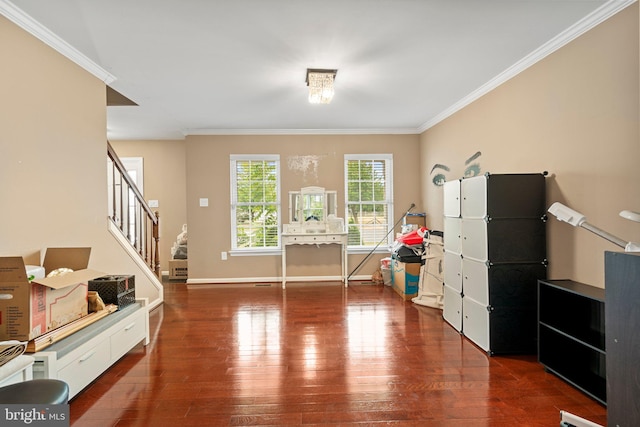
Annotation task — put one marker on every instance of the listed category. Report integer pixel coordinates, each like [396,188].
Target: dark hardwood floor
[317,354]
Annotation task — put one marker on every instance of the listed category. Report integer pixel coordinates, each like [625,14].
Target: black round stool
[46,392]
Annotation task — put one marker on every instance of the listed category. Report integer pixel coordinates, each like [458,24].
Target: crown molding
[380,131]
[598,16]
[33,27]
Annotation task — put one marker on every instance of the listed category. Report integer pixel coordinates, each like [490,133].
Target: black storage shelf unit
[495,253]
[622,282]
[571,334]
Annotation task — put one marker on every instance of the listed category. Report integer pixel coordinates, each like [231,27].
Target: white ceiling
[238,66]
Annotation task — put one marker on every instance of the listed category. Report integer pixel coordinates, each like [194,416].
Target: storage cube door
[504,240]
[452,234]
[502,285]
[475,322]
[452,310]
[451,190]
[503,196]
[474,239]
[475,279]
[453,271]
[473,197]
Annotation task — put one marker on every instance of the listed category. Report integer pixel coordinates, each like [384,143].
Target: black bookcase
[571,334]
[622,283]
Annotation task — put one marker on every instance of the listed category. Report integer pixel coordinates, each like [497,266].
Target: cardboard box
[405,278]
[178,269]
[30,309]
[419,219]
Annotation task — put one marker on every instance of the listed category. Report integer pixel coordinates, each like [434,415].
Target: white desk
[289,239]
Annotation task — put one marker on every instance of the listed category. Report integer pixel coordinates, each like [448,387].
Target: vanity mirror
[313,221]
[313,210]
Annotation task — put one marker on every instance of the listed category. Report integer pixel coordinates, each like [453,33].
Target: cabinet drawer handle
[87,356]
[130,326]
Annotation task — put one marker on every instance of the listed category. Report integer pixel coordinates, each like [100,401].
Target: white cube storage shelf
[495,251]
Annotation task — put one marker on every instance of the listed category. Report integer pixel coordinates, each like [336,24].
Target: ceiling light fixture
[320,84]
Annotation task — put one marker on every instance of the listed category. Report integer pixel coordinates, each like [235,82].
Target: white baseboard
[227,280]
[144,268]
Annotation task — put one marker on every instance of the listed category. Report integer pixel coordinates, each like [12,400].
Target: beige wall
[165,181]
[53,157]
[208,176]
[574,114]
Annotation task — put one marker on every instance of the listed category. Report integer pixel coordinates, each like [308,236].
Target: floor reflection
[366,331]
[259,350]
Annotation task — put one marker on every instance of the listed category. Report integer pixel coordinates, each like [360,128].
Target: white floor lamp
[568,215]
[565,214]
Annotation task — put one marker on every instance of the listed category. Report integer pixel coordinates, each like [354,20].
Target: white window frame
[135,165]
[135,169]
[235,251]
[388,159]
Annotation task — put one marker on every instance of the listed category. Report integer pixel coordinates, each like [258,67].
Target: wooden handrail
[118,164]
[132,215]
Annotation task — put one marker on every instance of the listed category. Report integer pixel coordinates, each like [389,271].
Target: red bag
[413,238]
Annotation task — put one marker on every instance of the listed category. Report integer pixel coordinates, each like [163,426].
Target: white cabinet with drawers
[85,355]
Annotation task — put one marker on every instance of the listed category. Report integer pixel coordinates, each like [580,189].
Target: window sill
[379,250]
[278,251]
[255,252]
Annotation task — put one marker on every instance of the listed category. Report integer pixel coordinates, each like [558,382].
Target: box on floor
[29,309]
[178,269]
[405,277]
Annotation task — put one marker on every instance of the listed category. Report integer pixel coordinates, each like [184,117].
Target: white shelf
[85,355]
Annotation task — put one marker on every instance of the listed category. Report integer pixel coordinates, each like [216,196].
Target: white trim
[227,280]
[266,157]
[388,159]
[587,23]
[135,164]
[233,181]
[256,252]
[389,131]
[278,251]
[369,156]
[155,282]
[359,250]
[36,29]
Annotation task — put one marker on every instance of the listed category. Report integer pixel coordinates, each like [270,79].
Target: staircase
[131,215]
